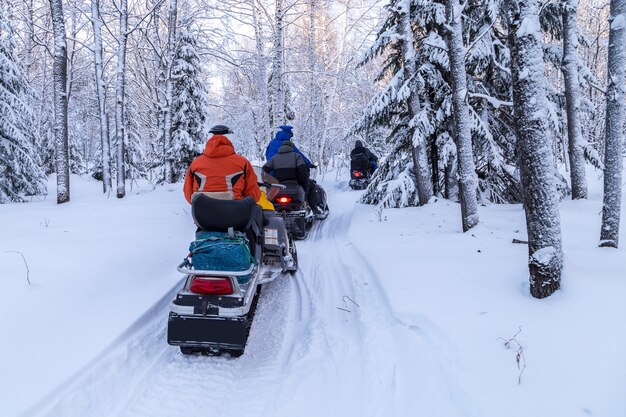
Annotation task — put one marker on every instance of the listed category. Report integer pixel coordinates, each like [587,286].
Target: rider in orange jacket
[220,172]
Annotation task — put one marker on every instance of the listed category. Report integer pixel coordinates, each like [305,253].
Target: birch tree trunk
[535,148]
[120,100]
[421,166]
[101,91]
[613,162]
[167,124]
[572,100]
[463,137]
[263,126]
[59,74]
[278,85]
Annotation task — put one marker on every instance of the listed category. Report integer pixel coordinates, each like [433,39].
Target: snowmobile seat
[215,215]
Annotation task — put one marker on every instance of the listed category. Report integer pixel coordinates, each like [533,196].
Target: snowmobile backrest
[220,215]
[293,189]
[360,164]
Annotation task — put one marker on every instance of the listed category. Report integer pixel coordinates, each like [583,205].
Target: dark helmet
[220,130]
[358,144]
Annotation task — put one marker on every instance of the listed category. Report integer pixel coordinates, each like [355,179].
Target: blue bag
[217,251]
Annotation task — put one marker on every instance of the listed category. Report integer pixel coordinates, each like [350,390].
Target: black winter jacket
[287,165]
[363,152]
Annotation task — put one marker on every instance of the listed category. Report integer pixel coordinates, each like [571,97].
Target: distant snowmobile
[291,204]
[238,247]
[360,173]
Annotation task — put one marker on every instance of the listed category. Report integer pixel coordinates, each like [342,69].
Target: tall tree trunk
[120,100]
[421,167]
[167,125]
[278,85]
[101,91]
[59,74]
[463,136]
[572,100]
[535,148]
[315,118]
[263,127]
[613,159]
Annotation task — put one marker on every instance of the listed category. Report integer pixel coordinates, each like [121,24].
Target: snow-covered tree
[615,116]
[404,178]
[573,100]
[535,148]
[120,100]
[20,163]
[462,124]
[168,116]
[189,112]
[105,140]
[59,74]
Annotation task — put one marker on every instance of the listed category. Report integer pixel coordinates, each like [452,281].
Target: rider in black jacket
[361,152]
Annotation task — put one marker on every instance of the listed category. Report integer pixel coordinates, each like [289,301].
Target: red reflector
[358,174]
[284,200]
[211,285]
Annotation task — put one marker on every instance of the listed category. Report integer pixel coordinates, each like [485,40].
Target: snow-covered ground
[392,314]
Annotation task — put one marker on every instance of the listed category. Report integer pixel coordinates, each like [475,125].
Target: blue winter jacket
[283,135]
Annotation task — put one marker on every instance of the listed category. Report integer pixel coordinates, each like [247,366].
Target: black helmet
[220,130]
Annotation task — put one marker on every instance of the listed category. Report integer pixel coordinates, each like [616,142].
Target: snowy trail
[325,342]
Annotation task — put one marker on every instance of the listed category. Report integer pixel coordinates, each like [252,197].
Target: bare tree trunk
[278,85]
[463,136]
[59,74]
[572,99]
[535,148]
[120,100]
[101,91]
[421,167]
[613,159]
[167,125]
[263,127]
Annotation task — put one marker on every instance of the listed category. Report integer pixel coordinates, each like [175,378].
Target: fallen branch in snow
[520,360]
[520,241]
[25,263]
[345,302]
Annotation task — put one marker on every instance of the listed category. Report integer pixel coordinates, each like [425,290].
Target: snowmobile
[291,204]
[360,173]
[238,248]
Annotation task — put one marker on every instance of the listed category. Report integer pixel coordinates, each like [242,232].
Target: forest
[478,102]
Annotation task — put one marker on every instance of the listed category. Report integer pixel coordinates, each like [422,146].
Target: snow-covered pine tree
[489,96]
[398,104]
[615,113]
[567,105]
[19,159]
[535,147]
[189,107]
[59,75]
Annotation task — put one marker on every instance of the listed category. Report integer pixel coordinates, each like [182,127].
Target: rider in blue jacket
[284,135]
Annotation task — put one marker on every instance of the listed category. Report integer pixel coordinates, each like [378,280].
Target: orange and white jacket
[220,170]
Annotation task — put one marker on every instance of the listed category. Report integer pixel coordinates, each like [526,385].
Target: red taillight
[211,285]
[358,174]
[284,200]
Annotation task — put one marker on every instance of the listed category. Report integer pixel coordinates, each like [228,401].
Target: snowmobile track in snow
[323,342]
